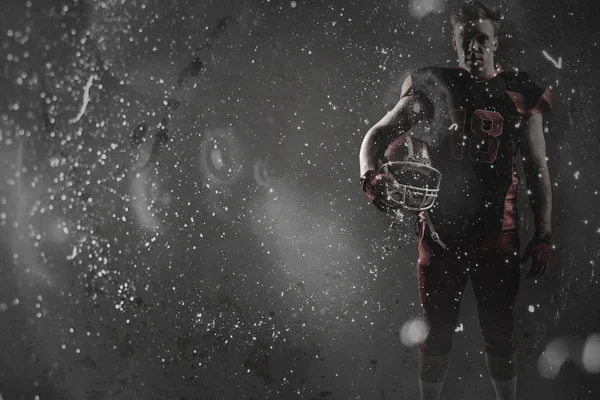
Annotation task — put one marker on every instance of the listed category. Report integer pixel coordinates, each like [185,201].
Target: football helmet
[416,182]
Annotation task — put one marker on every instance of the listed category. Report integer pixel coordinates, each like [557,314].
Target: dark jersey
[474,129]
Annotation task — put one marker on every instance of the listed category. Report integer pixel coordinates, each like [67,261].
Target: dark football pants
[492,264]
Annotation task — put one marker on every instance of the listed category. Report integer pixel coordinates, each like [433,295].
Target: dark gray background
[277,280]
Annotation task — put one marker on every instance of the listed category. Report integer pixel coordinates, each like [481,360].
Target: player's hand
[376,187]
[539,251]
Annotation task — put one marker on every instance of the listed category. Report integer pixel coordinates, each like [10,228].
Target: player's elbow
[376,135]
[373,144]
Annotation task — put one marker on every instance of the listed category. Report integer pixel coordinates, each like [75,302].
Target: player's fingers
[533,270]
[535,254]
[382,204]
[543,269]
[541,263]
[379,205]
[541,266]
[384,182]
[526,253]
[529,273]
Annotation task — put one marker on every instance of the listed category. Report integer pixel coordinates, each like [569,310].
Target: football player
[476,118]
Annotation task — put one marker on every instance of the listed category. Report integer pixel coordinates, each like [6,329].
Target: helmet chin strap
[434,235]
[399,219]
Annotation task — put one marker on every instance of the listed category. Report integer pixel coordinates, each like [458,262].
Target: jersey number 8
[483,142]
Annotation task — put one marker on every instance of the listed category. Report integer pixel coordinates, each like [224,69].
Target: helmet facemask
[416,184]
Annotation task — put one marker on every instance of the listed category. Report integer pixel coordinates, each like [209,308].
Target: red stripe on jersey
[544,104]
[518,100]
[509,219]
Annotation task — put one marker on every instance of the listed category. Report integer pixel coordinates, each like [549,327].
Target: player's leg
[432,374]
[496,284]
[441,285]
[500,369]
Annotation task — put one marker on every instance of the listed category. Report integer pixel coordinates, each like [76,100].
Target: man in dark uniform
[476,118]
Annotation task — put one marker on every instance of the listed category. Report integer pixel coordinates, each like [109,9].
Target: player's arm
[397,122]
[533,150]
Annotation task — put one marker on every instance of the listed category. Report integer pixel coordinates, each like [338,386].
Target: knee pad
[499,342]
[500,348]
[433,368]
[501,368]
[438,341]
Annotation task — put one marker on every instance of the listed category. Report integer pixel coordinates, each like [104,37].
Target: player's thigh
[496,275]
[442,280]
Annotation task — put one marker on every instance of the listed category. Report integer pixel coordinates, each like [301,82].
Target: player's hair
[474,11]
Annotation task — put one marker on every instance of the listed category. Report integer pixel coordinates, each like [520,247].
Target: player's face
[475,44]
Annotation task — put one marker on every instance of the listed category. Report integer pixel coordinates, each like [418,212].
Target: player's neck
[484,75]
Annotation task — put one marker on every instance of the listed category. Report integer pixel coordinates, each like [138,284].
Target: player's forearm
[540,196]
[376,139]
[369,151]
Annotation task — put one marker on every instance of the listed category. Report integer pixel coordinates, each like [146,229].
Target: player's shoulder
[536,96]
[519,81]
